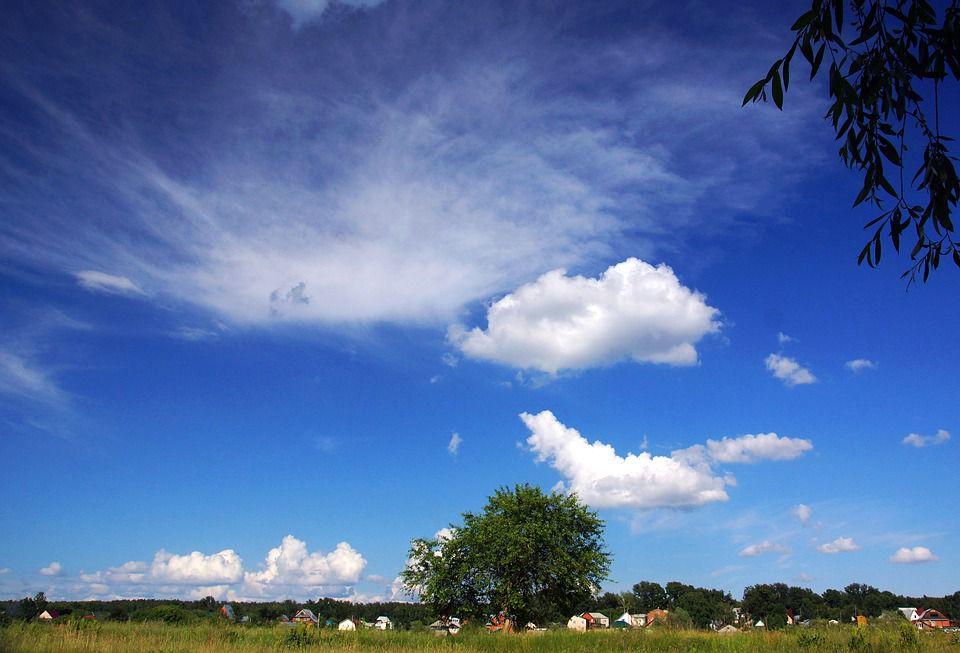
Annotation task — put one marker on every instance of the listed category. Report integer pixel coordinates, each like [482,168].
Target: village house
[931,619]
[657,616]
[306,616]
[346,625]
[632,620]
[48,615]
[596,620]
[383,623]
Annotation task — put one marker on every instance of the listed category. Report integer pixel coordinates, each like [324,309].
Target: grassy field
[221,638]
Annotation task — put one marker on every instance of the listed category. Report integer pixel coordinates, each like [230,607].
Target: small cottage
[306,616]
[346,624]
[383,623]
[596,620]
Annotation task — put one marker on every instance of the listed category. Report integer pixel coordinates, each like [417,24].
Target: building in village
[346,625]
[306,616]
[383,623]
[596,620]
[578,623]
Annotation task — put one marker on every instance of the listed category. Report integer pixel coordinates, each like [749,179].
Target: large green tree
[532,555]
[887,62]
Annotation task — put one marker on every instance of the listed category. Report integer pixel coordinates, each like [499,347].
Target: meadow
[222,638]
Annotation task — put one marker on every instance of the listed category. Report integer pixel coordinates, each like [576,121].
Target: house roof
[306,612]
[597,615]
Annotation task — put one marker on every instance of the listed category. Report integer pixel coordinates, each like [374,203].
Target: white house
[48,614]
[383,623]
[910,613]
[728,630]
[346,624]
[759,624]
[633,620]
[577,623]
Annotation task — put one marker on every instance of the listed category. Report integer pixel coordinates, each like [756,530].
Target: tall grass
[223,638]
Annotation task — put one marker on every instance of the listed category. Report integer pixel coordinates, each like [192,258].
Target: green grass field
[221,638]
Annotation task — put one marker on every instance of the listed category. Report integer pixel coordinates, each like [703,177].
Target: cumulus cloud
[788,370]
[839,545]
[920,441]
[292,565]
[632,311]
[858,365]
[288,571]
[762,548]
[754,448]
[605,479]
[917,554]
[802,512]
[108,283]
[196,568]
[53,569]
[453,447]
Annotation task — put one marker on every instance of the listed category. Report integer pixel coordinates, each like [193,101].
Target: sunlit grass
[223,637]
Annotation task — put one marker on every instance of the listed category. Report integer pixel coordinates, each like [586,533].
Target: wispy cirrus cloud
[372,182]
[108,283]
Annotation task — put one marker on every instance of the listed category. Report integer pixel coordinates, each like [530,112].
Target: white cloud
[5,570]
[449,360]
[754,448]
[917,554]
[802,512]
[289,571]
[789,371]
[858,365]
[839,545]
[25,378]
[196,568]
[920,441]
[394,190]
[108,283]
[783,338]
[292,565]
[604,479]
[303,12]
[634,310]
[53,569]
[453,447]
[762,548]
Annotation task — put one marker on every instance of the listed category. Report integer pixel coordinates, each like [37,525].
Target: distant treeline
[769,602]
[689,606]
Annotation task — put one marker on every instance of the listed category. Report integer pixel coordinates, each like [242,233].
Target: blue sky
[260,262]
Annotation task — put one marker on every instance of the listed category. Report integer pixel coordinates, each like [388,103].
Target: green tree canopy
[532,555]
[887,62]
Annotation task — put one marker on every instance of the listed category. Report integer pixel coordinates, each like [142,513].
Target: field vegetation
[221,637]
